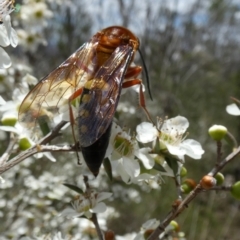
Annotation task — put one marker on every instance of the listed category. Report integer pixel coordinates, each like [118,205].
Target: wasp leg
[142,101]
[71,116]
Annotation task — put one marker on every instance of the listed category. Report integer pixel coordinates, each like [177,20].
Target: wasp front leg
[131,74]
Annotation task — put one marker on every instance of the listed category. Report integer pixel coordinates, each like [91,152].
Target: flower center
[123,146]
[39,14]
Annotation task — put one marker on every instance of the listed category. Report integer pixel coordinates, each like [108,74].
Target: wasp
[96,73]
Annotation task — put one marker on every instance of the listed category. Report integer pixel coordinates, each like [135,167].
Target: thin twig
[39,147]
[98,229]
[219,151]
[33,150]
[184,204]
[94,215]
[4,158]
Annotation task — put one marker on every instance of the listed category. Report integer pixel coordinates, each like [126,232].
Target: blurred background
[192,52]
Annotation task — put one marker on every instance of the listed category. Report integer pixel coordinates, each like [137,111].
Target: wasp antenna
[146,73]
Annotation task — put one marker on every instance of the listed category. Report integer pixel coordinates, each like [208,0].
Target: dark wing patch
[101,95]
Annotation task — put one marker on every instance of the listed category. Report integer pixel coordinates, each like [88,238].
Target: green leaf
[172,163]
[159,167]
[74,188]
[108,168]
[17,8]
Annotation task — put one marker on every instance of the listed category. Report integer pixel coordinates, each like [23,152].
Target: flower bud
[176,203]
[109,235]
[188,185]
[207,182]
[175,226]
[235,190]
[9,120]
[147,233]
[220,178]
[183,172]
[217,132]
[24,143]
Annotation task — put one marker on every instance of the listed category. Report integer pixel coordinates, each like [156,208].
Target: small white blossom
[87,204]
[149,181]
[35,15]
[170,135]
[7,36]
[123,151]
[30,41]
[233,109]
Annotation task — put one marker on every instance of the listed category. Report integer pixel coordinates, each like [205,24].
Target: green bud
[220,178]
[183,172]
[188,185]
[217,132]
[24,143]
[175,226]
[9,121]
[235,190]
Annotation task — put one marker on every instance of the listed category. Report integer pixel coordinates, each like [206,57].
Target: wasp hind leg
[142,102]
[72,120]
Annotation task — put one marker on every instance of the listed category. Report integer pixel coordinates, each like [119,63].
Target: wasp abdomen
[95,153]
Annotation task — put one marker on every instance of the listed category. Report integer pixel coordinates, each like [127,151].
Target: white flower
[9,111]
[30,41]
[35,15]
[7,36]
[10,108]
[86,204]
[149,181]
[170,135]
[124,151]
[25,138]
[233,109]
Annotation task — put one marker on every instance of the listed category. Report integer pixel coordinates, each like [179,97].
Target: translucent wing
[53,91]
[101,95]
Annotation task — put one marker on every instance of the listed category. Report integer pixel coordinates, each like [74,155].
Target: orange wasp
[96,73]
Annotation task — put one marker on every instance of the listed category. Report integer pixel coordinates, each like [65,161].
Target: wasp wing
[53,91]
[101,95]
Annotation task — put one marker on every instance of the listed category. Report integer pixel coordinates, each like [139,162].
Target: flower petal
[145,157]
[70,213]
[128,169]
[151,224]
[9,129]
[179,124]
[5,60]
[169,172]
[233,109]
[193,148]
[99,208]
[121,171]
[131,166]
[146,132]
[103,195]
[176,150]
[14,38]
[49,156]
[4,41]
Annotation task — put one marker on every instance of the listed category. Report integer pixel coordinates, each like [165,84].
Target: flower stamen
[6,7]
